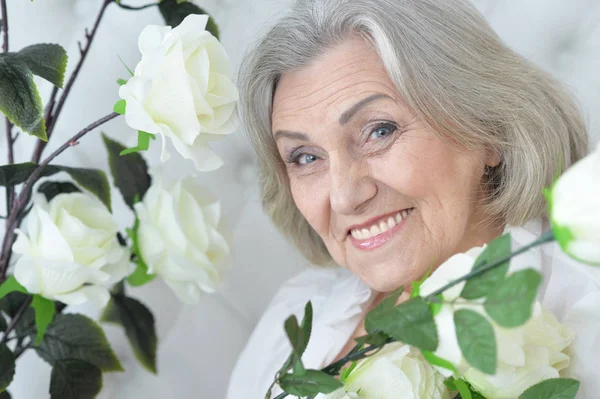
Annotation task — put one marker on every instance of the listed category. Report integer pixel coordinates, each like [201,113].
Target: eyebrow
[344,118]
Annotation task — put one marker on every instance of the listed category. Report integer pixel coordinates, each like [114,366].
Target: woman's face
[388,198]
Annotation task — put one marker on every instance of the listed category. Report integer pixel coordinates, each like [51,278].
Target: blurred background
[198,345]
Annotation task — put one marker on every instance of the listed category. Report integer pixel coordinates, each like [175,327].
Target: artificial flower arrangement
[470,330]
[61,245]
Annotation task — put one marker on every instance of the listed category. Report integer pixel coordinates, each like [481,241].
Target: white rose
[396,372]
[526,355]
[179,239]
[182,89]
[70,252]
[575,209]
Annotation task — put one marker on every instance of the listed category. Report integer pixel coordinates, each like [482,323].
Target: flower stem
[21,202]
[52,117]
[135,8]
[548,236]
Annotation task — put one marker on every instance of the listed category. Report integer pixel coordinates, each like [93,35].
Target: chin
[385,278]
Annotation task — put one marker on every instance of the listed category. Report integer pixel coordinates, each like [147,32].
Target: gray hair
[452,71]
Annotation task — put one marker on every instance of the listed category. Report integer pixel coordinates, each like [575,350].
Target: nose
[352,186]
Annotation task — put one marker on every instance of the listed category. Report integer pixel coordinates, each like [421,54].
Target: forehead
[343,75]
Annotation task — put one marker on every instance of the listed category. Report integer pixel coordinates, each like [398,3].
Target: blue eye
[383,131]
[304,159]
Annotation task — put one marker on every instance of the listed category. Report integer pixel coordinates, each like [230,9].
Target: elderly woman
[393,134]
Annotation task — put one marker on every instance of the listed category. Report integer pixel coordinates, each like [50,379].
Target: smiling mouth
[380,226]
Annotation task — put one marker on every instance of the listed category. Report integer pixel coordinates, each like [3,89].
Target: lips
[378,225]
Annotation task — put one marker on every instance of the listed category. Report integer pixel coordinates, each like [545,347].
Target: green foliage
[120,106]
[143,143]
[44,314]
[74,336]
[51,189]
[299,335]
[438,361]
[554,388]
[466,391]
[480,286]
[7,366]
[12,302]
[46,60]
[310,383]
[75,379]
[511,303]
[5,395]
[410,322]
[20,100]
[140,275]
[139,327]
[93,180]
[174,12]
[3,324]
[121,82]
[130,172]
[376,338]
[11,285]
[476,339]
[347,371]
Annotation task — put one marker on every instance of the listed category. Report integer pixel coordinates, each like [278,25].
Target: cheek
[310,197]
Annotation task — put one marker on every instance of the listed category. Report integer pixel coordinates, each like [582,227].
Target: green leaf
[511,303]
[310,383]
[174,12]
[3,324]
[7,366]
[119,107]
[432,358]
[11,285]
[20,100]
[480,286]
[110,314]
[143,143]
[476,339]
[121,82]
[347,371]
[139,326]
[93,180]
[51,189]
[46,60]
[554,388]
[74,336]
[140,275]
[463,388]
[376,338]
[130,172]
[17,173]
[75,379]
[5,395]
[410,322]
[12,302]
[44,314]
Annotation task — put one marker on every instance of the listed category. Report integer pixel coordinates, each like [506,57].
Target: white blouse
[571,291]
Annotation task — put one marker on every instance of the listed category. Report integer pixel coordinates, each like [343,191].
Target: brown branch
[52,117]
[10,191]
[4,26]
[16,318]
[19,204]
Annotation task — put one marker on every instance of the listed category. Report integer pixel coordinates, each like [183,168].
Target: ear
[492,157]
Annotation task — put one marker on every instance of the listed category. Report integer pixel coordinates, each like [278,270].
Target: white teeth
[383,226]
[391,222]
[375,231]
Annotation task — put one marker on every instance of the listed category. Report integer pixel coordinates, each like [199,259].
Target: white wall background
[198,345]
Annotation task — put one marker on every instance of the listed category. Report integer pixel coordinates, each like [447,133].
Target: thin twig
[53,116]
[20,350]
[21,201]
[16,319]
[127,7]
[544,238]
[4,26]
